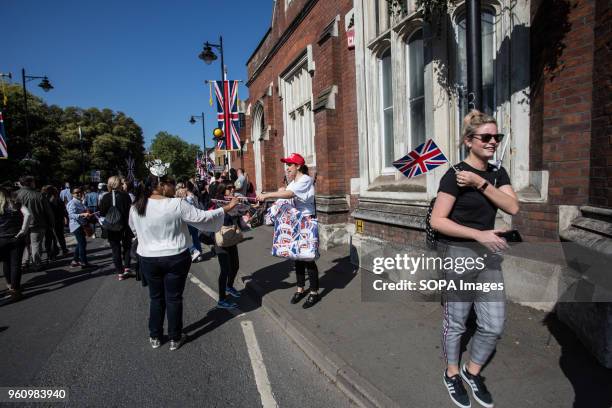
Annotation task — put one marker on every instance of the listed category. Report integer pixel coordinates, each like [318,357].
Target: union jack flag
[425,157]
[3,148]
[227,114]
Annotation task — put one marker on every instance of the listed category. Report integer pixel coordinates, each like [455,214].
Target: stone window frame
[257,137]
[440,105]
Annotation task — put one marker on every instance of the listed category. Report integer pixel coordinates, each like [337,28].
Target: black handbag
[113,219]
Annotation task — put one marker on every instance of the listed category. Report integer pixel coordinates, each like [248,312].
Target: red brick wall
[562,90]
[601,153]
[335,130]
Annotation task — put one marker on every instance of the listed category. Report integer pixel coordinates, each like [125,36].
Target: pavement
[388,353]
[87,332]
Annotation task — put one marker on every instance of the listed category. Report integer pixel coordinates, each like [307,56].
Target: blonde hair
[4,200]
[114,182]
[474,120]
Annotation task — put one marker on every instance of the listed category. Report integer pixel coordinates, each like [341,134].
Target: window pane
[415,55]
[416,90]
[388,126]
[387,107]
[417,121]
[387,80]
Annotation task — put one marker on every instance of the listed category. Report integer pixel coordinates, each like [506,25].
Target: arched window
[386,97]
[257,133]
[416,88]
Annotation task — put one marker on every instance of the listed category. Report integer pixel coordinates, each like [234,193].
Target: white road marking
[204,287]
[259,369]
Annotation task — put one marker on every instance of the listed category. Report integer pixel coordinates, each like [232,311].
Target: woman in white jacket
[160,222]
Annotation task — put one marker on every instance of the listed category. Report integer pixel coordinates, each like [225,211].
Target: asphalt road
[87,332]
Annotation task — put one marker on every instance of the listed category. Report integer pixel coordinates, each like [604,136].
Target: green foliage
[53,151]
[174,150]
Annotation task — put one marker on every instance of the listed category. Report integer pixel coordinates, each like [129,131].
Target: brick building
[546,79]
[301,81]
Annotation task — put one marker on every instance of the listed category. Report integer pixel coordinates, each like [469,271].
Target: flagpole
[82,158]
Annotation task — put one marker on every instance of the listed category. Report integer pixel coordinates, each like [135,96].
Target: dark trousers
[313,274]
[229,264]
[59,233]
[80,252]
[121,245]
[11,252]
[166,276]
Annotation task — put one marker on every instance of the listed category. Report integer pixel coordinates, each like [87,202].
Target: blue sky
[138,57]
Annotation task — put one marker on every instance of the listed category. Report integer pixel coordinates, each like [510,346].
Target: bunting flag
[427,156]
[210,99]
[3,148]
[201,167]
[227,114]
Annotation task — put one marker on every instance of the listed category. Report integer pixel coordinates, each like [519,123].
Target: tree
[174,150]
[52,153]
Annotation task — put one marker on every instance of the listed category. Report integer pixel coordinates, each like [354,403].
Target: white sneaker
[195,255]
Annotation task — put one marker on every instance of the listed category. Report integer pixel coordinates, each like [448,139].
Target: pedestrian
[196,247]
[65,194]
[241,183]
[60,216]
[468,198]
[227,253]
[301,191]
[120,239]
[78,217]
[212,188]
[128,187]
[14,223]
[42,217]
[160,221]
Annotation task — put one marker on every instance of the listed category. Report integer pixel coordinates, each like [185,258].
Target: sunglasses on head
[486,137]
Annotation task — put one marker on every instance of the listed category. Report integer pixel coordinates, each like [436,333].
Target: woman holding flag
[301,190]
[469,196]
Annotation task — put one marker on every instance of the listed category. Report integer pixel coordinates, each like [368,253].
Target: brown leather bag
[228,235]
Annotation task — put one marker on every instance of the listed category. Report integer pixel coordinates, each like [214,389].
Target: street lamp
[193,120]
[44,84]
[208,56]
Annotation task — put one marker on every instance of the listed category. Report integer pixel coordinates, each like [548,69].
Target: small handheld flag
[425,157]
[3,148]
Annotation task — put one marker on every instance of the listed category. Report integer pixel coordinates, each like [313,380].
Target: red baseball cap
[294,158]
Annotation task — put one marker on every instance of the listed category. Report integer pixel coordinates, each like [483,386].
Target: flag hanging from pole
[227,114]
[427,156]
[3,148]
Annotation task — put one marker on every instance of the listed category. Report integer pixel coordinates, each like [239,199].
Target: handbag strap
[113,197]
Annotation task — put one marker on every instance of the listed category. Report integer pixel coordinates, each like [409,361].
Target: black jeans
[59,233]
[80,252]
[121,243]
[229,264]
[166,276]
[11,252]
[313,274]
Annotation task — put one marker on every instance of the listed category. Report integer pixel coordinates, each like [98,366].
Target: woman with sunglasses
[78,217]
[301,190]
[469,196]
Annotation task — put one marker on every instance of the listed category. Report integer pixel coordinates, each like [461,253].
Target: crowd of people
[167,223]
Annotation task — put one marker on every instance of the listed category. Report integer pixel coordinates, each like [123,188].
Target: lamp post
[208,56]
[44,84]
[193,120]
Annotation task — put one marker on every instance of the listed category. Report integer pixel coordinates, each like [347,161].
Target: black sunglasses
[486,137]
